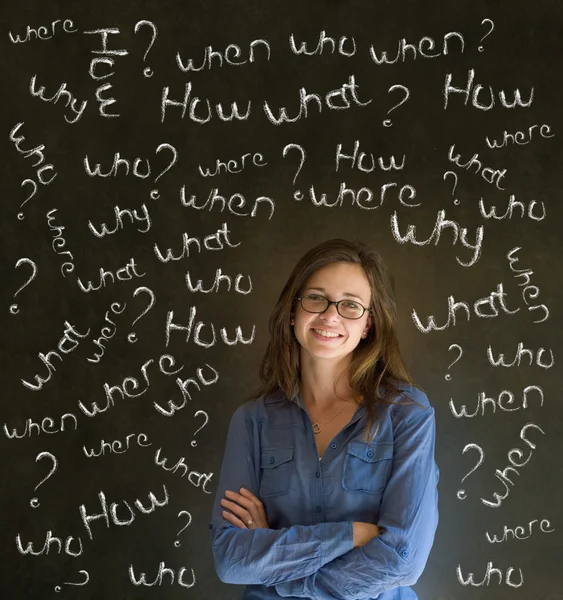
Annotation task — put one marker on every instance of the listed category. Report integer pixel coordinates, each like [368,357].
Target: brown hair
[376,363]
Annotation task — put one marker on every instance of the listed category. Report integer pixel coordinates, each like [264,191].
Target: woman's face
[337,281]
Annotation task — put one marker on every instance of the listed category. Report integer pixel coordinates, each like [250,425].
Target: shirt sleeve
[265,556]
[408,522]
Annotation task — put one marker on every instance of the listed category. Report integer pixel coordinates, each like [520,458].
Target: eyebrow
[320,289]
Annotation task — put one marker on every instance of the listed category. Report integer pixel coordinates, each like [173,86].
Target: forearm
[269,556]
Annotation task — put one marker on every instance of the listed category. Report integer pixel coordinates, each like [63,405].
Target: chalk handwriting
[62,92]
[336,99]
[122,166]
[465,581]
[460,234]
[111,511]
[46,359]
[521,352]
[520,138]
[189,328]
[163,571]
[234,202]
[142,222]
[488,174]
[125,273]
[213,241]
[50,539]
[346,46]
[116,446]
[183,385]
[37,153]
[518,533]
[232,165]
[60,242]
[472,93]
[366,163]
[123,390]
[194,477]
[484,308]
[505,402]
[219,278]
[107,332]
[514,456]
[42,32]
[530,292]
[513,204]
[202,118]
[46,424]
[230,56]
[363,197]
[422,48]
[105,59]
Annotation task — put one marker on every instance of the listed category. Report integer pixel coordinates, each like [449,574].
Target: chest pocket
[367,467]
[276,465]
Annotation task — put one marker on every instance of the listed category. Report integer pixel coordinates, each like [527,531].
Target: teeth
[326,333]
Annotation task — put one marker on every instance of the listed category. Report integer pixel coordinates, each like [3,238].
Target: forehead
[341,278]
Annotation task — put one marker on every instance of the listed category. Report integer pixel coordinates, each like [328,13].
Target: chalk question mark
[481,48]
[58,587]
[448,376]
[183,512]
[21,216]
[14,307]
[147,72]
[154,193]
[200,412]
[461,495]
[387,122]
[456,201]
[297,194]
[34,502]
[132,337]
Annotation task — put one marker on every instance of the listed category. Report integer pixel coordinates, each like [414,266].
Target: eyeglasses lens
[318,304]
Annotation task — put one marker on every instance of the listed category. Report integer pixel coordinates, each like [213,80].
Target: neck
[317,384]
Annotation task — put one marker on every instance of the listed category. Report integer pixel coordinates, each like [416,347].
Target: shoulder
[410,403]
[260,409]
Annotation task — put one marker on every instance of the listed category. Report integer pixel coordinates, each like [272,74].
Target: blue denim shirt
[310,503]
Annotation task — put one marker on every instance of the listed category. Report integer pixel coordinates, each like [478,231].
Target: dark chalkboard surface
[166,165]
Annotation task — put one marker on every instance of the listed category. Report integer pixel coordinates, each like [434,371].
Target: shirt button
[318,508]
[317,474]
[404,553]
[333,446]
[370,453]
[272,459]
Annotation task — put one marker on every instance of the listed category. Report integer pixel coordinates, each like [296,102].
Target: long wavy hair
[376,366]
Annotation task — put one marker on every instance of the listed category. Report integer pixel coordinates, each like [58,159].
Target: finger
[248,494]
[234,520]
[239,499]
[237,510]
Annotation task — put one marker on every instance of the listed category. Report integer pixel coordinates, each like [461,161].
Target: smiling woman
[328,486]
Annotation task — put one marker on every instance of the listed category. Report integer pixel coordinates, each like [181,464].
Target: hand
[364,532]
[246,507]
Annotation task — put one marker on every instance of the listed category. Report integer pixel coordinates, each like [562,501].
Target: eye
[350,304]
[316,297]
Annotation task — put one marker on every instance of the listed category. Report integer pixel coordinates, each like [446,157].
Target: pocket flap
[271,458]
[371,453]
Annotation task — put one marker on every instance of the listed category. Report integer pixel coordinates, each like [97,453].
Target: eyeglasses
[349,309]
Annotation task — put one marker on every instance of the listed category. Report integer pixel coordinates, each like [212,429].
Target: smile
[327,334]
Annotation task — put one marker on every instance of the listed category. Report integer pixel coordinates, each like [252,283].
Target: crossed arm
[332,560]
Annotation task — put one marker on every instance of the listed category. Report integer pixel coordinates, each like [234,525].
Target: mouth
[325,334]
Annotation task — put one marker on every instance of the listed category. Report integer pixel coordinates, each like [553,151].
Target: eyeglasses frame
[336,303]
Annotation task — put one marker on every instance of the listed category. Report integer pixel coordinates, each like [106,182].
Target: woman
[328,487]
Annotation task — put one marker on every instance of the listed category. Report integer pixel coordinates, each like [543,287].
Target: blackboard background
[523,51]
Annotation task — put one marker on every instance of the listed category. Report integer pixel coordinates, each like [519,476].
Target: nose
[330,313]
